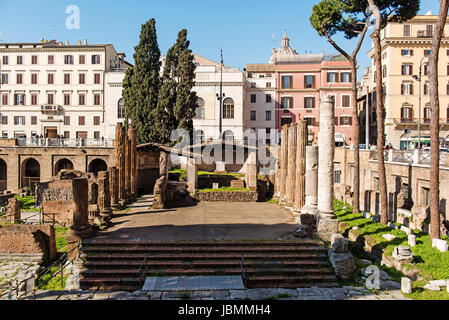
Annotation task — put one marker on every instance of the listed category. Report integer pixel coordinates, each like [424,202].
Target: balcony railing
[65,143]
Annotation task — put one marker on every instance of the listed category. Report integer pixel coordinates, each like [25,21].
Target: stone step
[187,258]
[211,249]
[127,273]
[204,264]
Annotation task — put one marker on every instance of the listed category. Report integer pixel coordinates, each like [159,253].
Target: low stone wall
[226,196]
[28,240]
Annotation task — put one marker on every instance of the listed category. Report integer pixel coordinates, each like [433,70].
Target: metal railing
[143,271]
[244,271]
[426,158]
[65,143]
[403,156]
[41,220]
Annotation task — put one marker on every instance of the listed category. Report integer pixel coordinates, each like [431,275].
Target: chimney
[42,40]
[85,42]
[67,42]
[79,42]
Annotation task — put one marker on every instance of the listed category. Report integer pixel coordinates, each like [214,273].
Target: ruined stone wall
[218,196]
[28,240]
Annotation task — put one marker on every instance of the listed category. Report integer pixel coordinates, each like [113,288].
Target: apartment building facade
[260,102]
[54,90]
[301,80]
[405,50]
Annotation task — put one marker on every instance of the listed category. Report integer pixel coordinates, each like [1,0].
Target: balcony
[64,143]
[50,109]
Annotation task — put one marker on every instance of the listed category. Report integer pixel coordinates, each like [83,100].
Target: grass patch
[275,201]
[225,189]
[55,283]
[61,243]
[27,203]
[432,264]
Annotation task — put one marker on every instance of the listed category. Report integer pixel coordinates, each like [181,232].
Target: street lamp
[220,96]
[419,79]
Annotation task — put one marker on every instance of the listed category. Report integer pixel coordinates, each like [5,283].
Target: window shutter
[411,89]
[305,102]
[410,114]
[328,77]
[403,70]
[291,103]
[313,102]
[350,77]
[411,53]
[350,121]
[402,89]
[402,113]
[313,81]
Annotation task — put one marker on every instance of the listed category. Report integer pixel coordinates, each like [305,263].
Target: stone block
[307,219]
[412,240]
[339,243]
[406,285]
[432,287]
[408,231]
[326,228]
[441,245]
[392,225]
[439,283]
[343,264]
[237,184]
[389,237]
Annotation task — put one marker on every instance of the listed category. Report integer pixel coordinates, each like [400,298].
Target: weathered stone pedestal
[327,223]
[160,188]
[291,165]
[283,164]
[104,197]
[192,175]
[251,172]
[113,184]
[311,190]
[13,211]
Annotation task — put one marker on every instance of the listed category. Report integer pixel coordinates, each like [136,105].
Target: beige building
[405,50]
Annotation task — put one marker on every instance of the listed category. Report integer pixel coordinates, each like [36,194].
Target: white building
[207,86]
[260,111]
[54,89]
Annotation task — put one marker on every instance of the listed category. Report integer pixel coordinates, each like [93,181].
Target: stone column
[120,162]
[127,167]
[327,220]
[311,190]
[284,163]
[133,162]
[300,192]
[104,196]
[192,175]
[113,179]
[277,172]
[81,226]
[160,188]
[13,213]
[291,165]
[251,171]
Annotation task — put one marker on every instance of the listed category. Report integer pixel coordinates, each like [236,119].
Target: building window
[310,121]
[267,115]
[4,79]
[96,121]
[309,102]
[97,78]
[287,82]
[332,77]
[228,108]
[427,114]
[95,59]
[66,134]
[51,59]
[82,78]
[407,52]
[19,99]
[406,30]
[337,177]
[426,88]
[50,98]
[67,78]
[253,98]
[345,101]
[346,77]
[286,102]
[51,78]
[5,60]
[97,135]
[66,99]
[199,110]
[426,69]
[34,78]
[33,120]
[19,120]
[81,120]
[4,99]
[406,114]
[253,85]
[309,82]
[19,60]
[268,85]
[19,78]
[427,52]
[285,121]
[384,71]
[82,100]
[346,121]
[66,120]
[253,115]
[68,59]
[4,120]
[407,70]
[96,99]
[250,75]
[429,31]
[82,59]
[268,98]
[34,99]
[33,59]
[407,89]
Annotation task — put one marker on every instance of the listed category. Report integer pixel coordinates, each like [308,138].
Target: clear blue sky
[245,29]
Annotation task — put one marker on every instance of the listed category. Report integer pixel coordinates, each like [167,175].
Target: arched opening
[63,164]
[121,109]
[228,108]
[97,165]
[199,110]
[228,135]
[31,173]
[3,175]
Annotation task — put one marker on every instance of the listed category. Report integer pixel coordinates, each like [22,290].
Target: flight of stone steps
[118,265]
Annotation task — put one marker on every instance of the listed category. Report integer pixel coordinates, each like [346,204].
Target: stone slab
[193,283]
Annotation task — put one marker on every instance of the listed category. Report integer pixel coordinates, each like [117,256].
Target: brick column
[291,165]
[104,196]
[133,161]
[284,163]
[120,162]
[301,143]
[113,179]
[277,172]
[81,227]
[327,220]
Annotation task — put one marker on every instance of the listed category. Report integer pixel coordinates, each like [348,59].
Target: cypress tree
[142,84]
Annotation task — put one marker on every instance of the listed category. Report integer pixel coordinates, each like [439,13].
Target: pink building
[302,80]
